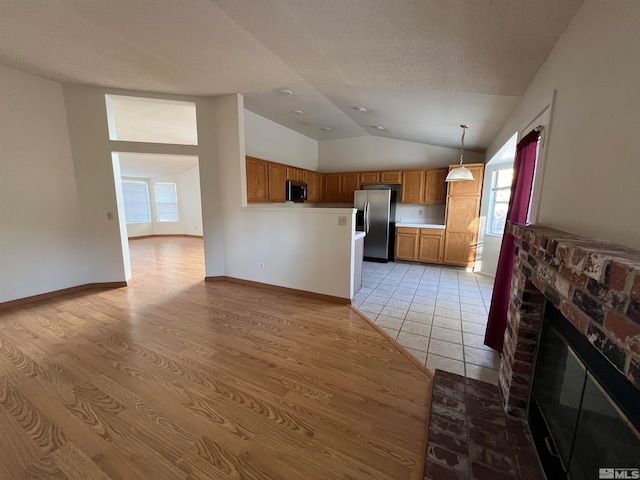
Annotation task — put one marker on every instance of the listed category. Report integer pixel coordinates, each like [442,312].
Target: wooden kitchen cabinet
[412,186]
[391,177]
[431,245]
[277,182]
[419,244]
[314,186]
[462,219]
[332,190]
[407,243]
[292,174]
[369,178]
[348,184]
[435,186]
[472,187]
[257,180]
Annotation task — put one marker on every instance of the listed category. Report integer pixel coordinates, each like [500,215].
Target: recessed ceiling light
[360,109]
[377,127]
[285,91]
[326,129]
[297,112]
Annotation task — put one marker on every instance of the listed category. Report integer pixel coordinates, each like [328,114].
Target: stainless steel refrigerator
[376,217]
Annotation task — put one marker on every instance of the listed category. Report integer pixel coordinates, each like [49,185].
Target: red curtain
[523,170]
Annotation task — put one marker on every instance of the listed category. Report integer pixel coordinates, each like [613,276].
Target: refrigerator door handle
[367,221]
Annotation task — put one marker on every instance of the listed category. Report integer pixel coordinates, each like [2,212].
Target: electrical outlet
[342,220]
[261,265]
[420,212]
[109,215]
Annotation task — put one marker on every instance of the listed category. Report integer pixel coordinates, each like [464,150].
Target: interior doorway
[157,188]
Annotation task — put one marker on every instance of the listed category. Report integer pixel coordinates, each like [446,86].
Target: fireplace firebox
[584,414]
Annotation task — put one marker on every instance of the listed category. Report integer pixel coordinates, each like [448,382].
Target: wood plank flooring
[175,378]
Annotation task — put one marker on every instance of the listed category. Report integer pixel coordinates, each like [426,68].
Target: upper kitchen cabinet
[391,177]
[257,180]
[314,186]
[277,182]
[332,190]
[412,186]
[369,178]
[435,186]
[349,183]
[471,187]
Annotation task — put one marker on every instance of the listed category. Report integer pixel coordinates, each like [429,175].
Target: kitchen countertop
[420,225]
[358,235]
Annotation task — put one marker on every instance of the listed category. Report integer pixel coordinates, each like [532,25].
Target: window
[499,200]
[136,202]
[166,202]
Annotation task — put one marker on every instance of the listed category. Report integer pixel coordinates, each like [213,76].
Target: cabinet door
[257,180]
[435,186]
[407,243]
[462,219]
[412,186]
[292,174]
[460,249]
[314,186]
[349,184]
[369,178]
[430,248]
[332,182]
[472,187]
[300,175]
[277,180]
[391,177]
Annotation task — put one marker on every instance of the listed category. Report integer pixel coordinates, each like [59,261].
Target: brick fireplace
[596,286]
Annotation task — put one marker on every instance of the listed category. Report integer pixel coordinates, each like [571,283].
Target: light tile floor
[437,313]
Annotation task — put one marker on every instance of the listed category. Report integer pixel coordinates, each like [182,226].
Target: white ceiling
[421,67]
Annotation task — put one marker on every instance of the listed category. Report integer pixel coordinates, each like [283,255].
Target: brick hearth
[470,436]
[596,285]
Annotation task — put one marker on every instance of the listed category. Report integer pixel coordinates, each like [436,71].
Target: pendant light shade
[460,173]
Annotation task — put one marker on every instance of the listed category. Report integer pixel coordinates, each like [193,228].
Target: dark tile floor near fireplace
[470,436]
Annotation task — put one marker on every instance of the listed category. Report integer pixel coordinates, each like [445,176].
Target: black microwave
[296,191]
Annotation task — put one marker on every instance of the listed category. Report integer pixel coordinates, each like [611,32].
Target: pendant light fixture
[460,173]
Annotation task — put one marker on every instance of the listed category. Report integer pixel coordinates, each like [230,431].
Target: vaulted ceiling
[419,67]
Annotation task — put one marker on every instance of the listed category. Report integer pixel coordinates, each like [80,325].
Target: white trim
[544,118]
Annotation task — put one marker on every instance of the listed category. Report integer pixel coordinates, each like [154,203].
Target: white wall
[270,141]
[191,205]
[380,153]
[42,242]
[304,248]
[590,184]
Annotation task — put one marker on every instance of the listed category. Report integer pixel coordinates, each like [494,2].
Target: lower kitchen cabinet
[407,243]
[431,245]
[419,244]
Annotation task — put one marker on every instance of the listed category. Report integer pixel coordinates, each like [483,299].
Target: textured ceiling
[420,67]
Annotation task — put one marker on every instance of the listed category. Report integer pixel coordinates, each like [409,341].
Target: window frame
[177,206]
[493,202]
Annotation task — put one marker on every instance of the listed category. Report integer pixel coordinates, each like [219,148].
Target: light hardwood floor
[174,378]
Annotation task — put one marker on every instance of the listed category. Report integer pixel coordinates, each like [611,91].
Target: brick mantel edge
[596,286]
